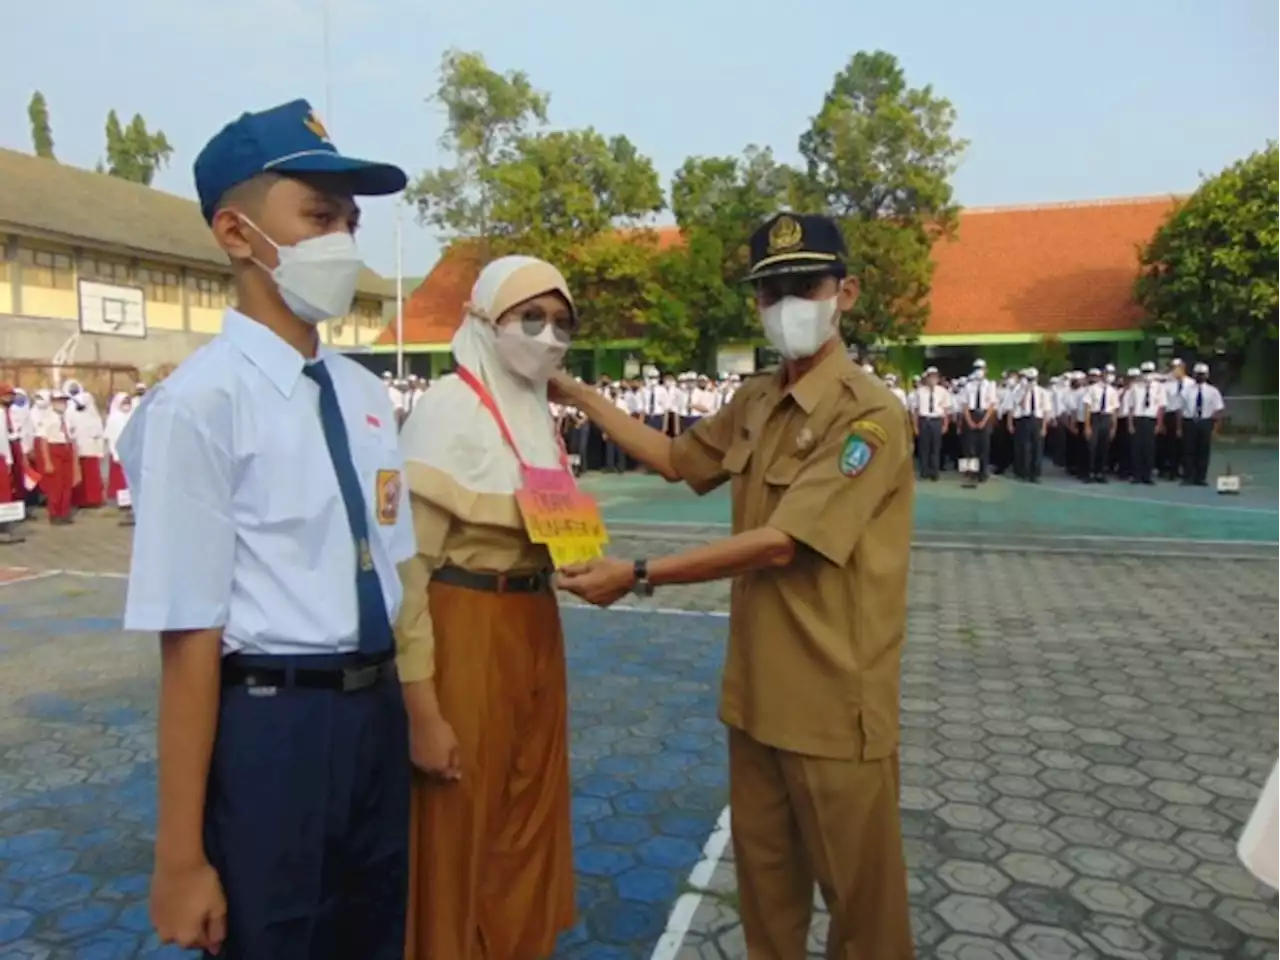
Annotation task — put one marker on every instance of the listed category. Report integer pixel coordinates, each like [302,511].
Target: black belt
[348,679]
[494,582]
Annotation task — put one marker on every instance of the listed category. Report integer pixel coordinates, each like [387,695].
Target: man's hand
[188,907]
[561,388]
[601,582]
[433,748]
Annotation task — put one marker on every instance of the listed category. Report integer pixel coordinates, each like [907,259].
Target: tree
[879,156]
[486,113]
[1209,275]
[41,129]
[1050,355]
[564,196]
[560,195]
[718,202]
[134,152]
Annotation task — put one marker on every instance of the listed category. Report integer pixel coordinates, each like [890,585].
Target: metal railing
[1248,415]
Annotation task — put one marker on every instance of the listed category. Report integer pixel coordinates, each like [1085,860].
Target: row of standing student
[1092,424]
[57,451]
[671,404]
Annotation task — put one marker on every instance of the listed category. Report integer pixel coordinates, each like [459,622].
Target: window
[104,270]
[44,268]
[161,286]
[209,292]
[367,314]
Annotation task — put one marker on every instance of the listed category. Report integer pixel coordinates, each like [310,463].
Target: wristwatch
[643,587]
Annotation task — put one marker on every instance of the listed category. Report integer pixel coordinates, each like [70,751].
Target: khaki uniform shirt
[815,648]
[456,527]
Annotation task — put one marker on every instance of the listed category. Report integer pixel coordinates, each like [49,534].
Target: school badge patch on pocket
[388,485]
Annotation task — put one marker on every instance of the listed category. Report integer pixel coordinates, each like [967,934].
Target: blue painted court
[77,772]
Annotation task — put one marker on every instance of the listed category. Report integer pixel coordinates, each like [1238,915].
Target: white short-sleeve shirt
[240,520]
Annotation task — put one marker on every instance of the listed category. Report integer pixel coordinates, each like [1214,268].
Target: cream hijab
[449,429]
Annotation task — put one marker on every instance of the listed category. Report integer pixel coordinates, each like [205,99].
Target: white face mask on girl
[797,328]
[533,358]
[316,277]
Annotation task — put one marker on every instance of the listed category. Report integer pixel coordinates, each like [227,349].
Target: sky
[1061,101]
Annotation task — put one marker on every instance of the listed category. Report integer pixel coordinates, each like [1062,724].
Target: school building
[131,270]
[1010,277]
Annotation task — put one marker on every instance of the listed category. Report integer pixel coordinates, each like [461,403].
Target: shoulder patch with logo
[856,455]
[388,493]
[870,429]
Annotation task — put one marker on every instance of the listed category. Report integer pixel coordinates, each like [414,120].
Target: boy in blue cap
[271,516]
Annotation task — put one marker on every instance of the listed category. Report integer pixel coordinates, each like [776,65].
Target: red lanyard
[478,388]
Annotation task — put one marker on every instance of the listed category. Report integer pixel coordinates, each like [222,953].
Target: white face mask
[797,328]
[533,358]
[316,277]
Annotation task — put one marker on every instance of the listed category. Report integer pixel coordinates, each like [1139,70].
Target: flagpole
[328,82]
[399,296]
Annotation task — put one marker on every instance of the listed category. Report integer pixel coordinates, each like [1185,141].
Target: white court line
[1121,498]
[95,574]
[42,575]
[684,910]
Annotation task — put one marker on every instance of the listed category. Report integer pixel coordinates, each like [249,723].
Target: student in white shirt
[930,418]
[1144,412]
[1198,425]
[980,400]
[1101,403]
[1169,446]
[1030,410]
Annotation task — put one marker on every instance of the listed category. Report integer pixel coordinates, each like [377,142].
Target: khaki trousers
[798,819]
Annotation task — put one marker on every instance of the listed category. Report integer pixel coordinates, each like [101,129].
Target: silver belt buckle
[358,678]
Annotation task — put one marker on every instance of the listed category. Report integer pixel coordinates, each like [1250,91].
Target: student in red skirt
[84,423]
[117,417]
[8,450]
[56,458]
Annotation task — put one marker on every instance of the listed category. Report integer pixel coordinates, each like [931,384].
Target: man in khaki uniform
[819,457]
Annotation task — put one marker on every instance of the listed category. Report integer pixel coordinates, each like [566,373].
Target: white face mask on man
[534,358]
[797,328]
[316,277]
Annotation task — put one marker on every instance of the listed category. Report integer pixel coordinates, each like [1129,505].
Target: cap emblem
[784,235]
[313,124]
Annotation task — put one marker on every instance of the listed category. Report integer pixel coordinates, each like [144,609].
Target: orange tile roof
[1043,269]
[433,311]
[1034,269]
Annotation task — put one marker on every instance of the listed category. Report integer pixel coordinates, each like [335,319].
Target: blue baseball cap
[288,139]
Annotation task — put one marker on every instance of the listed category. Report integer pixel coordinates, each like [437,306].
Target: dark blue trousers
[307,822]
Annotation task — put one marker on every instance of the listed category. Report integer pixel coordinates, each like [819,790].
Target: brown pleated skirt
[491,857]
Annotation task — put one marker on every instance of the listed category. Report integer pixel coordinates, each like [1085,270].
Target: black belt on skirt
[539,582]
[346,672]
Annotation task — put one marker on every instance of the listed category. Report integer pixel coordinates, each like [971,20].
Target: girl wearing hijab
[481,652]
[117,417]
[85,425]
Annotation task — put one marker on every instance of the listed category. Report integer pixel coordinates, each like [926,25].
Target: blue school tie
[375,625]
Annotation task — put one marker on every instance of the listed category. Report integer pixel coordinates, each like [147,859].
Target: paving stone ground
[1083,739]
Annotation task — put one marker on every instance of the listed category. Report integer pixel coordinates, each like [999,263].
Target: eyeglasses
[773,289]
[533,320]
